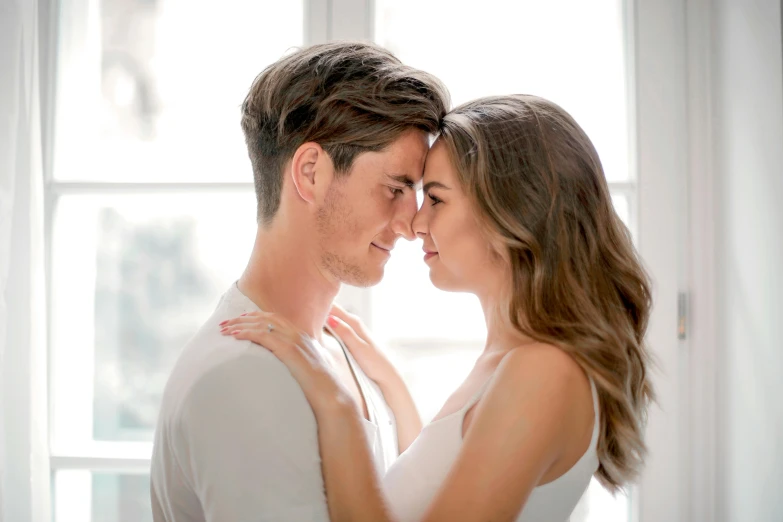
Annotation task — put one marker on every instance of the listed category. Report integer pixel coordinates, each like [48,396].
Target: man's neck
[283,277]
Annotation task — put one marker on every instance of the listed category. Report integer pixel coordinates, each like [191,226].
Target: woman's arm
[377,367]
[536,411]
[533,410]
[399,399]
[351,481]
[353,487]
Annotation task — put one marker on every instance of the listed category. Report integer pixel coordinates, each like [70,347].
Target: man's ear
[311,169]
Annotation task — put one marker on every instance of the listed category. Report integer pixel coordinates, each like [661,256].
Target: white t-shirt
[236,438]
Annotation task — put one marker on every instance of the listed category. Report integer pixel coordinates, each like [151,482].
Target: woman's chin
[444,283]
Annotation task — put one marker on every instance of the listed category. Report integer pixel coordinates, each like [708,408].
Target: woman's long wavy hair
[576,279]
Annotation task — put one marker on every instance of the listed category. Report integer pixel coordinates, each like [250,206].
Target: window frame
[662,171]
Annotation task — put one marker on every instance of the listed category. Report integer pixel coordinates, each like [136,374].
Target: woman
[517,211]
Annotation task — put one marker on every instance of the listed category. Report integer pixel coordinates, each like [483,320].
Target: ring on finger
[270,327]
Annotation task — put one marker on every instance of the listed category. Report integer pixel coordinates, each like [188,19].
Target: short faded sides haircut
[349,97]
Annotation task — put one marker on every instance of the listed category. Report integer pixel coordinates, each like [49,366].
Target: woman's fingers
[297,352]
[295,356]
[345,332]
[349,319]
[256,317]
[275,343]
[339,311]
[249,317]
[253,317]
[261,322]
[351,330]
[343,314]
[280,342]
[319,384]
[250,333]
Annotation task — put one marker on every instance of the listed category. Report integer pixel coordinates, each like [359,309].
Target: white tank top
[414,479]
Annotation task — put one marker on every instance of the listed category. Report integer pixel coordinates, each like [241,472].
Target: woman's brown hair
[576,279]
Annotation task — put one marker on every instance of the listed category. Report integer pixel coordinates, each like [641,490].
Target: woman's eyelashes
[435,200]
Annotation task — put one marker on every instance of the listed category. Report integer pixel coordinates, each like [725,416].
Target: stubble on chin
[334,221]
[344,271]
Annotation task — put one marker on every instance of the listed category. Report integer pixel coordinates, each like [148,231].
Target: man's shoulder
[249,395]
[215,372]
[242,366]
[237,417]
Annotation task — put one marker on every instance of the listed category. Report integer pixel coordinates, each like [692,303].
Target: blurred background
[127,209]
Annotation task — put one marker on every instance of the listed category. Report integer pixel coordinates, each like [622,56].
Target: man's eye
[396,191]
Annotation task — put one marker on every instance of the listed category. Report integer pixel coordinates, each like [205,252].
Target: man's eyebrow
[435,184]
[402,178]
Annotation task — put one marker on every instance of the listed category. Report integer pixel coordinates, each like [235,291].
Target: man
[337,135]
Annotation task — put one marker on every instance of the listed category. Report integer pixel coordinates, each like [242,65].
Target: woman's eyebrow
[435,184]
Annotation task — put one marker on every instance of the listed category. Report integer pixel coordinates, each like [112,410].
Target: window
[569,51]
[150,175]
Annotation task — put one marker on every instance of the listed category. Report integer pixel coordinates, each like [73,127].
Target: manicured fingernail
[332,321]
[235,332]
[224,322]
[243,315]
[223,330]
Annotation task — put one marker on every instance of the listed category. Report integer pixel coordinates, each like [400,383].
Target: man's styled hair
[349,97]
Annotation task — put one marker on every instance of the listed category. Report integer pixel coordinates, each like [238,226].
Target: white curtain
[24,473]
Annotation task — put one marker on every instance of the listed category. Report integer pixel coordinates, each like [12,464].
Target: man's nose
[402,222]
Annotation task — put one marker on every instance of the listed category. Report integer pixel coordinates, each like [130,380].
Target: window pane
[598,505]
[134,277]
[433,370]
[406,305]
[622,205]
[168,78]
[90,496]
[523,46]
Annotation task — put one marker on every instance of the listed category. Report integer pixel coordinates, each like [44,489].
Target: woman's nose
[419,223]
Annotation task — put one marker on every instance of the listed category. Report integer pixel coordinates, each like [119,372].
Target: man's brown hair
[349,97]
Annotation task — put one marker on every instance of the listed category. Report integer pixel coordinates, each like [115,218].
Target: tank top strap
[596,412]
[593,391]
[480,392]
[477,396]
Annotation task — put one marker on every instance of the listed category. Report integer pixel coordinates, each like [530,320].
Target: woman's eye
[434,200]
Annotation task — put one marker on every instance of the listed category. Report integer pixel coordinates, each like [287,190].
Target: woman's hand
[377,367]
[298,352]
[350,478]
[358,340]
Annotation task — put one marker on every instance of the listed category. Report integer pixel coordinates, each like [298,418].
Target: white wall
[660,86]
[748,163]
